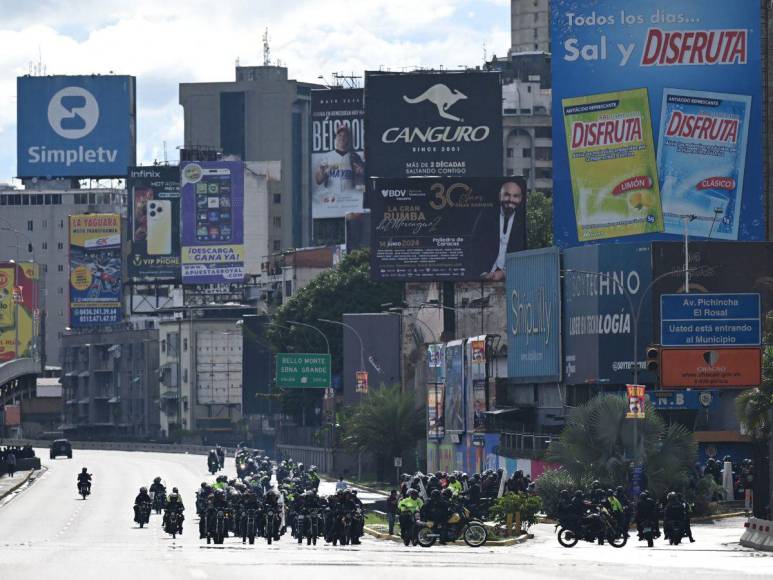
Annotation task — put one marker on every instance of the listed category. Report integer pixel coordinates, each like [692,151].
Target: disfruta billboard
[19,309]
[75,126]
[603,290]
[212,222]
[95,269]
[684,75]
[445,124]
[430,229]
[534,316]
[154,223]
[337,152]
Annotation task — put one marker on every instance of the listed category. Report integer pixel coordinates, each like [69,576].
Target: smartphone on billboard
[159,227]
[142,195]
[213,192]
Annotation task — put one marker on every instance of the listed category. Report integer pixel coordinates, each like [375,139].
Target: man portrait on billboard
[340,170]
[509,234]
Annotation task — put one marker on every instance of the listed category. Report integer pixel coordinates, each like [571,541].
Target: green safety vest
[455,487]
[409,504]
[615,503]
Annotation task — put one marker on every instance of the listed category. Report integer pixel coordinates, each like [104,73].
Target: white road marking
[197,573]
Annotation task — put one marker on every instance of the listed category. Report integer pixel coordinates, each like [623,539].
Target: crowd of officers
[9,457]
[577,510]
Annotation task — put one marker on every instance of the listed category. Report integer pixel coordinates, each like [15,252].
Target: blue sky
[165,43]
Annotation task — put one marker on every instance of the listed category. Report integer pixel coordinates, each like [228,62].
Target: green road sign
[302,371]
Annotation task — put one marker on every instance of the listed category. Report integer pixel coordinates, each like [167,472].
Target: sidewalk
[10,484]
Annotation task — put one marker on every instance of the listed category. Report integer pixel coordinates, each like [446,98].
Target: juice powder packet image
[701,159]
[612,164]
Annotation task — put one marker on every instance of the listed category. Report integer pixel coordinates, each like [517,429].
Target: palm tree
[598,443]
[753,406]
[386,423]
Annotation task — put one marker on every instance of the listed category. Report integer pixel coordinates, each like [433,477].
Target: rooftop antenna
[38,69]
[485,53]
[266,49]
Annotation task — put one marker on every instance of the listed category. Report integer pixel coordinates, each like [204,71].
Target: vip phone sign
[212,222]
[699,64]
[75,126]
[154,223]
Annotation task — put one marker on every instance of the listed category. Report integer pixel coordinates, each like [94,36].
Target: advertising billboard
[711,368]
[19,310]
[700,66]
[154,223]
[95,269]
[603,287]
[476,381]
[337,152]
[454,388]
[534,316]
[75,126]
[212,222]
[436,391]
[433,229]
[423,124]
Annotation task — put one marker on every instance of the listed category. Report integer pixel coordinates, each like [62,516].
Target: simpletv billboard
[657,115]
[75,126]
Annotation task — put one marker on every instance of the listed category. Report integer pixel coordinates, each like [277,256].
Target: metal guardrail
[322,457]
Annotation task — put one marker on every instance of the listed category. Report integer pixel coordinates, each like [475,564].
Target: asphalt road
[47,531]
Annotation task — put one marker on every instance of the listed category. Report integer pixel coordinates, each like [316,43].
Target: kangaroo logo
[73,112]
[440,96]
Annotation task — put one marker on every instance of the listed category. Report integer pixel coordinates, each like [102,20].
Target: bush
[512,503]
[549,486]
[705,495]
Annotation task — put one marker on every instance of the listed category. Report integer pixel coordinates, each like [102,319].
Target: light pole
[357,334]
[296,323]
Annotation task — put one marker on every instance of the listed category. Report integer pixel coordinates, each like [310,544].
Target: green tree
[386,423]
[598,443]
[539,220]
[344,289]
[753,406]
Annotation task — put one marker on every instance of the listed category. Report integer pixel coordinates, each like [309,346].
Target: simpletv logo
[73,113]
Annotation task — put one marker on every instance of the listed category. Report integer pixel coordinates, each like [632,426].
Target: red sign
[635,401]
[362,382]
[12,415]
[711,368]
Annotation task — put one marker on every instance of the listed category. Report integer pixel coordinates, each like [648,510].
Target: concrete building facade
[260,116]
[529,25]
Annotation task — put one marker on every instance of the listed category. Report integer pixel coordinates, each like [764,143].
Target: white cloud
[165,43]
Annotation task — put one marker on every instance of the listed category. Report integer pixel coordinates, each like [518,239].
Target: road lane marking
[197,573]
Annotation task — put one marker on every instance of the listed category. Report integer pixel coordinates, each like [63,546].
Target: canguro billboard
[337,152]
[604,286]
[698,67]
[429,229]
[440,124]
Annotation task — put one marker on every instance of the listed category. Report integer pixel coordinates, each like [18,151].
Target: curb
[508,542]
[22,482]
[704,519]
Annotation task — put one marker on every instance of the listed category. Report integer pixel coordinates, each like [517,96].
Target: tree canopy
[539,220]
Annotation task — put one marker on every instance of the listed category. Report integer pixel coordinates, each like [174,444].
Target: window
[526,153]
[288,288]
[510,172]
[45,224]
[536,17]
[543,133]
[92,198]
[185,344]
[277,198]
[277,245]
[544,173]
[277,221]
[25,199]
[45,245]
[30,225]
[3,200]
[61,224]
[60,246]
[543,154]
[526,173]
[509,152]
[185,375]
[60,268]
[163,345]
[60,290]
[528,88]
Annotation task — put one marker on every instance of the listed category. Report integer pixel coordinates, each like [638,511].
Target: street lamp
[296,323]
[357,334]
[399,311]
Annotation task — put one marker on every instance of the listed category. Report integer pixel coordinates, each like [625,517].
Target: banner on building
[635,401]
[454,387]
[154,223]
[612,165]
[700,65]
[337,152]
[361,385]
[95,269]
[212,223]
[19,310]
[432,229]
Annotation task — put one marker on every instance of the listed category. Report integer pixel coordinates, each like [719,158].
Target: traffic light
[653,358]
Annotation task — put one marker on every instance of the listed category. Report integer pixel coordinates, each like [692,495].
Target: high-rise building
[261,116]
[529,26]
[34,227]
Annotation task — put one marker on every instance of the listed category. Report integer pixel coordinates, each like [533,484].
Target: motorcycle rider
[408,507]
[313,478]
[646,513]
[174,504]
[212,460]
[249,502]
[220,456]
[454,485]
[271,503]
[686,522]
[437,510]
[158,487]
[84,478]
[626,505]
[216,501]
[142,498]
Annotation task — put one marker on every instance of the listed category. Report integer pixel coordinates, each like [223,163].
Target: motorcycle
[142,513]
[213,465]
[270,525]
[201,504]
[342,529]
[159,501]
[249,525]
[595,526]
[84,489]
[216,529]
[460,525]
[648,530]
[674,531]
[172,524]
[408,528]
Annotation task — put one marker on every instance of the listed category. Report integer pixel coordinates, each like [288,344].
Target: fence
[524,443]
[124,446]
[322,457]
